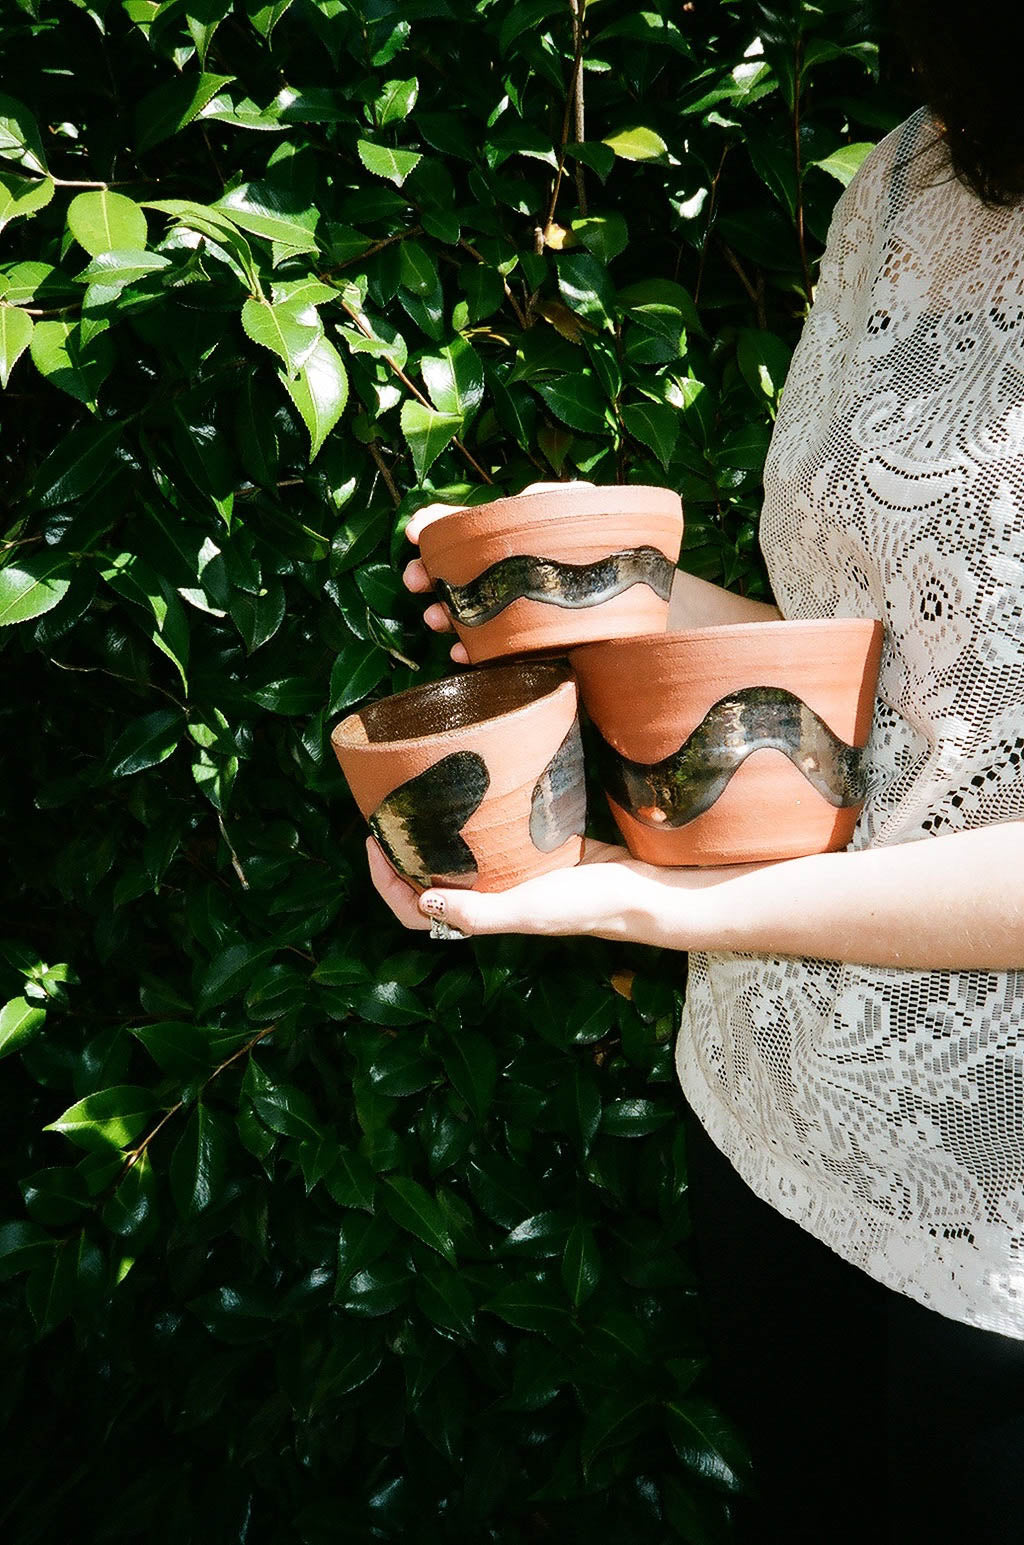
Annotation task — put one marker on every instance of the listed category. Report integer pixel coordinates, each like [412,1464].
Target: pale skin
[949,902]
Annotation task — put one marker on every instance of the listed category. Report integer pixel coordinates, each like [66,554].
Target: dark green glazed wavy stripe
[572,585]
[419,825]
[681,787]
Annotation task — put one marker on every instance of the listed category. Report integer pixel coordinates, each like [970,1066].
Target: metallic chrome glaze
[419,825]
[681,787]
[558,809]
[573,585]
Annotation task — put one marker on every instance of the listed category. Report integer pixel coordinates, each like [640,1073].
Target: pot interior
[457,702]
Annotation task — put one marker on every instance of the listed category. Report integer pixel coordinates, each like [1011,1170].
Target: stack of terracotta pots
[717,745]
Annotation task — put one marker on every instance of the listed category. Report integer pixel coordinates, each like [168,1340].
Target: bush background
[308,1231]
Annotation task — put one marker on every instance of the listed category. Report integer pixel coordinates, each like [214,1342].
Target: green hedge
[310,1230]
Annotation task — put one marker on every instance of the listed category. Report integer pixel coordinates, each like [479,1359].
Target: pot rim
[514,510]
[553,676]
[730,629]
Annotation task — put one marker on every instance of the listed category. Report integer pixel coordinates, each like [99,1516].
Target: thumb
[471,912]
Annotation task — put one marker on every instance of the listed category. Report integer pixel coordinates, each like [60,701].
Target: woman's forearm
[950,902]
[698,604]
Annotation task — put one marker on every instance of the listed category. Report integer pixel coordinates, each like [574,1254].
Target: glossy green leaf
[637,144]
[396,101]
[281,1107]
[319,392]
[77,462]
[173,106]
[265,14]
[415,1210]
[19,1021]
[655,425]
[470,1063]
[130,1211]
[707,1444]
[578,402]
[20,140]
[73,1274]
[228,973]
[31,586]
[633,1117]
[389,1003]
[198,1163]
[358,669]
[661,305]
[382,161]
[454,379]
[145,743]
[606,236]
[260,208]
[60,353]
[361,1241]
[111,270]
[844,163]
[21,196]
[22,1246]
[427,432]
[106,221]
[111,1118]
[535,1306]
[585,285]
[581,1264]
[288,330]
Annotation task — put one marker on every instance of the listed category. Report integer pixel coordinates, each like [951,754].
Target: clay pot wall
[500,568]
[473,781]
[808,685]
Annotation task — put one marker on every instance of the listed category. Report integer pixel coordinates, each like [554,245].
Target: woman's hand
[415,575]
[586,899]
[608,895]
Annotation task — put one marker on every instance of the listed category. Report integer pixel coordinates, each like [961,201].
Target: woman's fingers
[424,517]
[400,897]
[436,618]
[416,578]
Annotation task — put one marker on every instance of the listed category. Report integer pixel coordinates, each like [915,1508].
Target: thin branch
[235,861]
[573,104]
[135,1154]
[412,387]
[738,269]
[712,210]
[800,234]
[520,318]
[385,472]
[579,7]
[378,246]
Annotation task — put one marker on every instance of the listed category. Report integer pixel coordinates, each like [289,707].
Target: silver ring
[442,930]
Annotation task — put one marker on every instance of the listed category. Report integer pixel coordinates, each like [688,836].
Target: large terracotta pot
[475,781]
[548,570]
[734,744]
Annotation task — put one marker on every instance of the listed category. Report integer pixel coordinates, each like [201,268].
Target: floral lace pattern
[883,1109]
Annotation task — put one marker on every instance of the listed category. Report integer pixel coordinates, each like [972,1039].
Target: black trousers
[870,1418]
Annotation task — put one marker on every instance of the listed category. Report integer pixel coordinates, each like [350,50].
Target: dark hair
[965,59]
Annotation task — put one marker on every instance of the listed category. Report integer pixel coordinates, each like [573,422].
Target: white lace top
[883,1109]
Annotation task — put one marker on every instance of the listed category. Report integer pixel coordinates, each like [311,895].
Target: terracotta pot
[548,570]
[475,781]
[734,744]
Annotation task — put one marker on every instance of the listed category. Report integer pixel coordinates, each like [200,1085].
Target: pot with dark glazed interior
[555,568]
[475,781]
[734,744]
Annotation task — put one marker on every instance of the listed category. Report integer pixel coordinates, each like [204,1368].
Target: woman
[852,1045]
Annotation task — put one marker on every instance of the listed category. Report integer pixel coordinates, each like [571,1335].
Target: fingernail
[432,904]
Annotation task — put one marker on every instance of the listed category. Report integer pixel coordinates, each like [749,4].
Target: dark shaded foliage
[313,1231]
